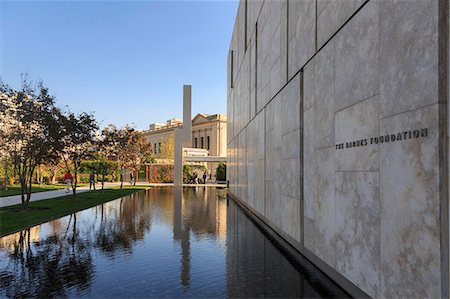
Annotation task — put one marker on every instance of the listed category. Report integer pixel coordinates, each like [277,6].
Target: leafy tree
[29,130]
[53,167]
[136,150]
[78,142]
[5,166]
[221,172]
[113,143]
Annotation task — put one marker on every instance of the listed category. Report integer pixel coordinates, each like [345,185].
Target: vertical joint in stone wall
[443,60]
[315,31]
[302,173]
[231,68]
[245,26]
[287,41]
[256,68]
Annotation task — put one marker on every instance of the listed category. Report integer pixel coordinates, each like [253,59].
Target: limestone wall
[337,136]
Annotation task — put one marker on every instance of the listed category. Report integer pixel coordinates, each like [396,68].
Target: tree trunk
[31,171]
[5,183]
[121,177]
[23,186]
[136,173]
[75,180]
[22,170]
[103,177]
[41,179]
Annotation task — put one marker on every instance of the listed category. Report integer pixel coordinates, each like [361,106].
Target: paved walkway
[184,185]
[16,199]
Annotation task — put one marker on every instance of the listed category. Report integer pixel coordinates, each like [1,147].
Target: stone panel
[273,160]
[241,46]
[255,167]
[234,51]
[283,165]
[229,74]
[324,97]
[308,85]
[253,78]
[302,34]
[290,222]
[291,145]
[230,118]
[242,166]
[332,14]
[253,10]
[290,106]
[408,55]
[409,192]
[242,95]
[357,124]
[309,234]
[231,149]
[309,164]
[324,209]
[290,178]
[231,166]
[271,51]
[358,229]
[357,58]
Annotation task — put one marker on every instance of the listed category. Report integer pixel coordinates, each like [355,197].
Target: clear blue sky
[124,61]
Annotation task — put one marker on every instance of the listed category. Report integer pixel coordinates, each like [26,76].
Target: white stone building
[315,89]
[208,132]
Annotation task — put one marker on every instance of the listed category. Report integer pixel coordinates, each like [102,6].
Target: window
[155,149]
[201,142]
[207,142]
[195,142]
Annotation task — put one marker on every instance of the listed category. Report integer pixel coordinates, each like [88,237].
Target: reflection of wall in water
[255,268]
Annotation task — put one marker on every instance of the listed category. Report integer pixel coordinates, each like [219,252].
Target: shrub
[161,173]
[221,172]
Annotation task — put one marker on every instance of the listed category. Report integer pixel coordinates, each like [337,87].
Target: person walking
[92,180]
[131,178]
[204,177]
[68,179]
[195,178]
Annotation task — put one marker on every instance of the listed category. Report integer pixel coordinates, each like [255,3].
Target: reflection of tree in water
[50,267]
[122,230]
[62,263]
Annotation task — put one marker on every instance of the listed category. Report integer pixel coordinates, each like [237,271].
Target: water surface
[157,243]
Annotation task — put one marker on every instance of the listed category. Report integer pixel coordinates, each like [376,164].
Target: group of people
[195,178]
[68,180]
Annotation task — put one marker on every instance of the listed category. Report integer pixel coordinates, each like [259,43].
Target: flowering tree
[29,130]
[78,142]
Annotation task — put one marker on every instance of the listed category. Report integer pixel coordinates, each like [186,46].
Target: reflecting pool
[155,243]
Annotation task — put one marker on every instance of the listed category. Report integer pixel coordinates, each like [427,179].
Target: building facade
[208,132]
[338,137]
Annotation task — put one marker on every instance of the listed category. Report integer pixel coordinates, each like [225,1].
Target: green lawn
[17,190]
[12,219]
